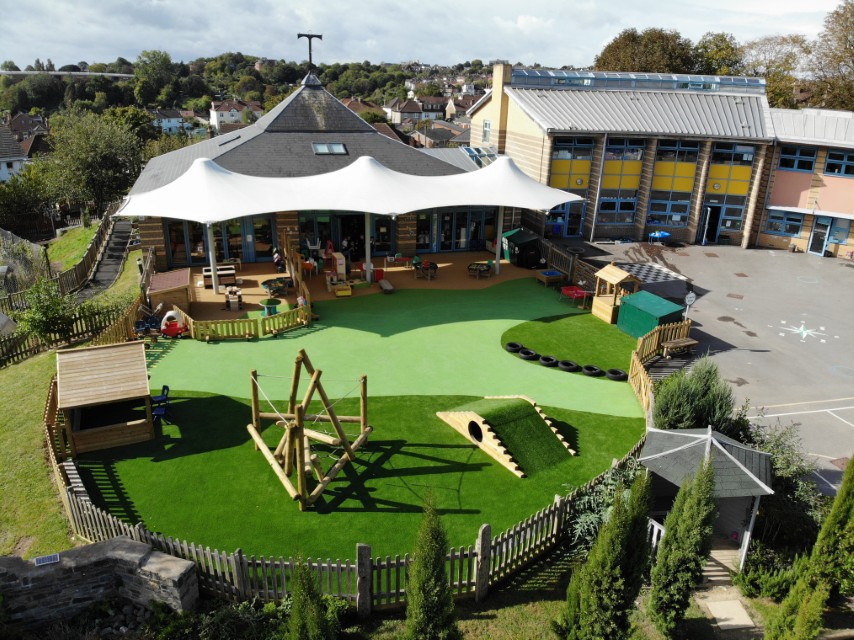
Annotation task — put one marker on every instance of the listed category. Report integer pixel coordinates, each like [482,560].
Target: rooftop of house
[308,133]
[236,105]
[10,149]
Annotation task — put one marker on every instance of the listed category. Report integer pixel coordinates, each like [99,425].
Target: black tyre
[548,361]
[513,347]
[617,374]
[569,365]
[528,354]
[592,370]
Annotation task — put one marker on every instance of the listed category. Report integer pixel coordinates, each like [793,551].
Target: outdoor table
[575,293]
[550,277]
[269,305]
[275,285]
[428,270]
[658,235]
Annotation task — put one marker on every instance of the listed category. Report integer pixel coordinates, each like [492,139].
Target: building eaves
[817,127]
[647,113]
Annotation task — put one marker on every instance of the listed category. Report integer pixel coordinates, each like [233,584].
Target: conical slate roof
[280,144]
[676,454]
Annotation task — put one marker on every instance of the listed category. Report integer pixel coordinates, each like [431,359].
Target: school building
[697,159]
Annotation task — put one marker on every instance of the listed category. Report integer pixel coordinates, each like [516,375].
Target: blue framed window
[573,149]
[677,151]
[669,208]
[840,163]
[625,149]
[617,210]
[839,231]
[784,223]
[797,158]
[732,153]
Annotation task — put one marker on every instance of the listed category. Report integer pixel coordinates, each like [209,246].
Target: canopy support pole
[369,271]
[498,240]
[212,254]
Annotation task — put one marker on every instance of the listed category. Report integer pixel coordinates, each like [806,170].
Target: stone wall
[120,567]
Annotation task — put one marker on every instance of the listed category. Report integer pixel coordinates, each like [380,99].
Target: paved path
[110,266]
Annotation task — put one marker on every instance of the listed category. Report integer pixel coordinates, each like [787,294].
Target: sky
[552,33]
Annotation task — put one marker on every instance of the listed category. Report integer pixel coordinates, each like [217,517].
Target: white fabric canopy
[208,193]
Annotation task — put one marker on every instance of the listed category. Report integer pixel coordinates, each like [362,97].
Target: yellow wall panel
[561,166]
[613,167]
[710,185]
[719,172]
[559,181]
[662,184]
[683,184]
[632,167]
[630,182]
[664,168]
[581,166]
[686,169]
[737,187]
[740,173]
[610,182]
[575,177]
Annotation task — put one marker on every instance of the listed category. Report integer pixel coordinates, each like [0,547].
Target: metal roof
[279,144]
[814,126]
[676,454]
[634,80]
[647,113]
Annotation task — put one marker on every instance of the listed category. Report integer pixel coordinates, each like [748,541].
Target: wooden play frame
[294,449]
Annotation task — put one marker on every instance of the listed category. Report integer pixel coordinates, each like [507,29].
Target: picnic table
[679,344]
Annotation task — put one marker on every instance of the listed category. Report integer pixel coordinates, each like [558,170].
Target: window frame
[798,156]
[785,220]
[845,162]
[839,223]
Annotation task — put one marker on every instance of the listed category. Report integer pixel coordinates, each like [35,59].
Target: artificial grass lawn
[204,482]
[583,338]
[522,431]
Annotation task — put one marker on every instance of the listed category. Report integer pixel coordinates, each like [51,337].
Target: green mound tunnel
[512,430]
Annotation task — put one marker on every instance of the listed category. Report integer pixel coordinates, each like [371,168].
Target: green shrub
[800,615]
[308,618]
[683,550]
[769,574]
[50,312]
[429,602]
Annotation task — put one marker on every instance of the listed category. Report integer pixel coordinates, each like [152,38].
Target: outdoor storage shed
[104,396]
[643,311]
[172,288]
[522,248]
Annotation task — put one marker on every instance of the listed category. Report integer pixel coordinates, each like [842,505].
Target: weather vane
[310,36]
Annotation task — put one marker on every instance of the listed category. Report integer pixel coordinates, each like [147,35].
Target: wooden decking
[722,563]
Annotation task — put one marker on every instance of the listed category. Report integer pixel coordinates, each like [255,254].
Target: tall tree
[718,54]
[832,61]
[603,589]
[93,161]
[683,550]
[429,602]
[779,59]
[138,121]
[153,71]
[652,50]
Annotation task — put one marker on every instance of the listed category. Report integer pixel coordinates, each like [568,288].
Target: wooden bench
[225,275]
[679,344]
[386,286]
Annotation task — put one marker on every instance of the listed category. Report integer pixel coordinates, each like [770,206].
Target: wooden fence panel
[245,328]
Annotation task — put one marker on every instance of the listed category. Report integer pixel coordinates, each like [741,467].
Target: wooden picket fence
[648,347]
[370,583]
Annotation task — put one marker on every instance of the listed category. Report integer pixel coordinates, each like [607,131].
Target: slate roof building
[310,132]
[12,156]
[703,158]
[742,475]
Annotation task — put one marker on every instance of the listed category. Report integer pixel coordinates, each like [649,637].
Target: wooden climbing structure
[294,455]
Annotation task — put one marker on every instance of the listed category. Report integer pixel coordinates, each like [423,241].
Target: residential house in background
[399,110]
[359,106]
[433,107]
[24,125]
[458,106]
[170,121]
[12,156]
[234,111]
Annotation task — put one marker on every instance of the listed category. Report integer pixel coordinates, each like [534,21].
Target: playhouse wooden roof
[612,274]
[100,375]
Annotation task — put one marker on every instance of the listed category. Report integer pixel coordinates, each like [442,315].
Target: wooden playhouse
[612,283]
[104,397]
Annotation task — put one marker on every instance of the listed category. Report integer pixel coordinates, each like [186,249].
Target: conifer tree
[683,550]
[308,617]
[429,602]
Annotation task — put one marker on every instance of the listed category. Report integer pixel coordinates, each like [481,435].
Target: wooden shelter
[104,396]
[172,288]
[612,283]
